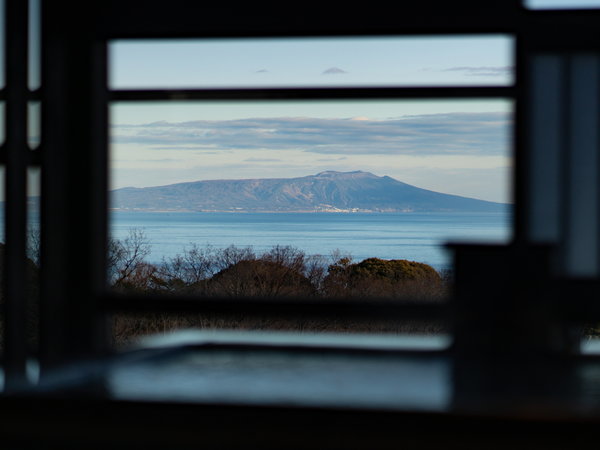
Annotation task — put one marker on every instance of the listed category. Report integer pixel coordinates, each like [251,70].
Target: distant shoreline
[508,206]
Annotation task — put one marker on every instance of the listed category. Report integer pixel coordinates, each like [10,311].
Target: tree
[126,258]
[232,255]
[188,272]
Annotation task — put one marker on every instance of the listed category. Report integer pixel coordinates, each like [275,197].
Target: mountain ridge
[327,191]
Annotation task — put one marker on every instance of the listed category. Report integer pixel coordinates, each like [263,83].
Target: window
[518,309]
[183,243]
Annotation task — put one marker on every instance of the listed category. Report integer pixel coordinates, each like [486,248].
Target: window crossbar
[313,93]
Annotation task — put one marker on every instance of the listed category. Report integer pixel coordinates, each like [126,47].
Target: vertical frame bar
[545,147]
[520,148]
[98,227]
[581,188]
[16,187]
[74,130]
[53,208]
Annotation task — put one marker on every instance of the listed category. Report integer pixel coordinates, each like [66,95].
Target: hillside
[325,191]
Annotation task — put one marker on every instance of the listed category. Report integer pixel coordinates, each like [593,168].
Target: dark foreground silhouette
[283,272]
[280,273]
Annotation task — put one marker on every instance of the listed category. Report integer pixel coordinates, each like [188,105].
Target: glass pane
[313,198]
[34,75]
[390,61]
[33,213]
[34,117]
[2,122]
[2,44]
[33,265]
[562,4]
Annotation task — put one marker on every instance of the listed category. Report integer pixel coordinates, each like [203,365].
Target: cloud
[262,71]
[482,71]
[200,149]
[432,134]
[263,160]
[333,71]
[341,158]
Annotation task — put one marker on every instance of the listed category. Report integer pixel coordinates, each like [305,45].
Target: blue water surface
[412,236]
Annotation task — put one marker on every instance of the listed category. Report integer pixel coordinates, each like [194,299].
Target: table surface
[366,372]
[257,390]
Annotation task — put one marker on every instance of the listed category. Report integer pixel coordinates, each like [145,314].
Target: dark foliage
[374,277]
[281,272]
[262,278]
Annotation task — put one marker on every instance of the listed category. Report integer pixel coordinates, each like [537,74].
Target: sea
[418,237]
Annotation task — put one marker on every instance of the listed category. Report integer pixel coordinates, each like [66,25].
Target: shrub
[261,278]
[374,277]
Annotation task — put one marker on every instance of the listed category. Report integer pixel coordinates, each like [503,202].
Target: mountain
[326,191]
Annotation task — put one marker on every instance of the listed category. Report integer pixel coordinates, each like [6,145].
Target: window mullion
[15,191]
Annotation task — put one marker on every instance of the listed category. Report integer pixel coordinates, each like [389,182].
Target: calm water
[417,237]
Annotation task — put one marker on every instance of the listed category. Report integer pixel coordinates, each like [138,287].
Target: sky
[562,4]
[460,147]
